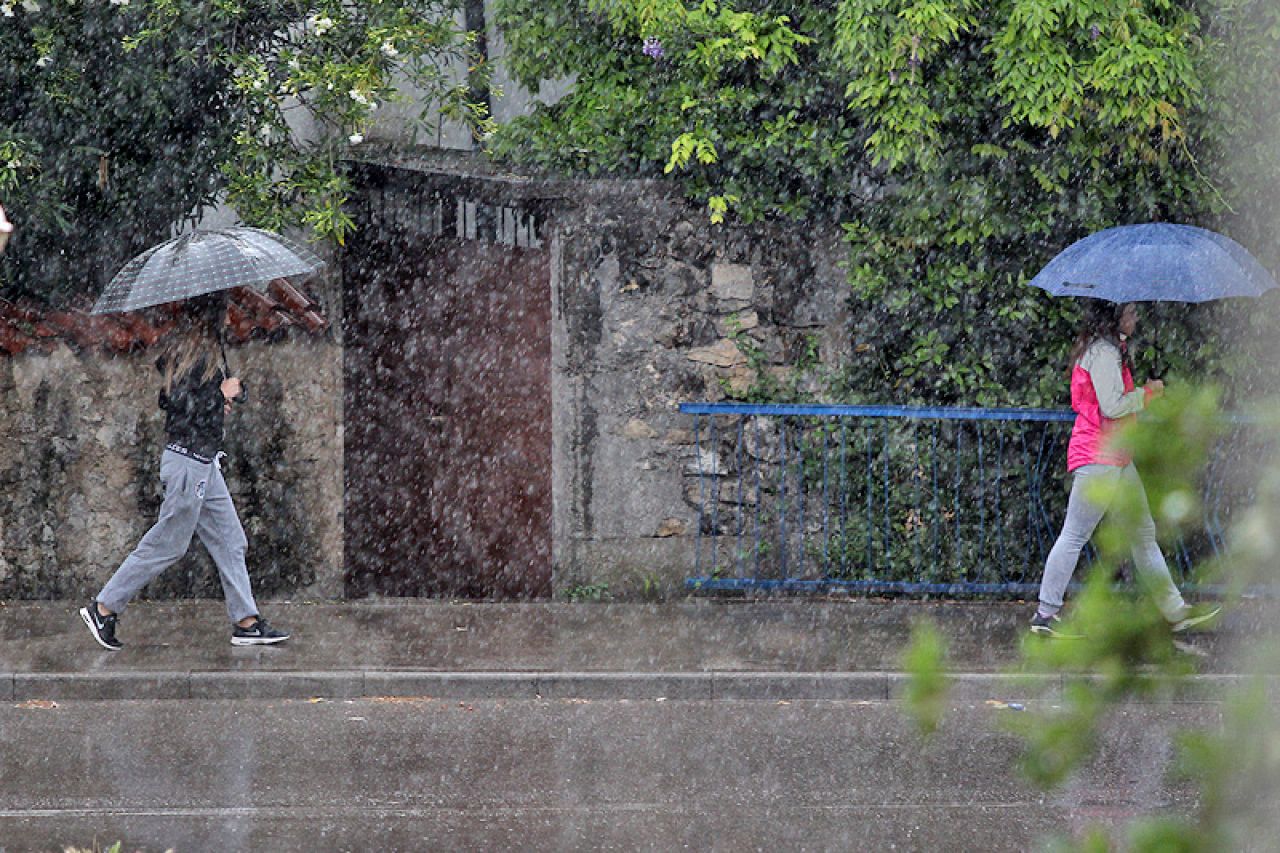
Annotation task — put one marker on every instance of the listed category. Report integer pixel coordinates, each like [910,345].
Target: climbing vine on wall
[959,144]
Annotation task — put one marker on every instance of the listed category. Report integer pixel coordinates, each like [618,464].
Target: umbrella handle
[243,396]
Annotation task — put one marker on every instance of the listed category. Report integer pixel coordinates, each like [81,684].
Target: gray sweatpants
[196,501]
[1083,516]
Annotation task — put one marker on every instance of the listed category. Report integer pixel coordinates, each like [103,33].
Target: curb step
[695,686]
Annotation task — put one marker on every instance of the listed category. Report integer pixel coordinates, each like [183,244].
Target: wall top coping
[251,314]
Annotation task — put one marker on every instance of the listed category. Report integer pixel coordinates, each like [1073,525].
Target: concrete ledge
[693,686]
[1204,687]
[800,685]
[625,685]
[981,686]
[100,685]
[453,685]
[276,685]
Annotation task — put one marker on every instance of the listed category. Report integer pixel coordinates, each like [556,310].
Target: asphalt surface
[567,774]
[424,725]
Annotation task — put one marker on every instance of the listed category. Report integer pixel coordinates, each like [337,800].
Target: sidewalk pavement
[776,649]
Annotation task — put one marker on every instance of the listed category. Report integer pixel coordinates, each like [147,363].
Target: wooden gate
[447,336]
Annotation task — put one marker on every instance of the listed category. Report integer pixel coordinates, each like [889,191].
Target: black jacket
[193,410]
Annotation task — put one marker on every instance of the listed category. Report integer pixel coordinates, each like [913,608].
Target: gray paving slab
[420,635]
[801,649]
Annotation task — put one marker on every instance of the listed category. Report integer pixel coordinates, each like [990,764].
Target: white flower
[321,24]
[359,97]
[119,2]
[389,50]
[6,10]
[356,138]
[43,61]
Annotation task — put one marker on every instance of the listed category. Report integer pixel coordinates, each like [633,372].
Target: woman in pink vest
[1104,398]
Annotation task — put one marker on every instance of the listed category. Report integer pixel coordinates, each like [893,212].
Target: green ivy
[961,145]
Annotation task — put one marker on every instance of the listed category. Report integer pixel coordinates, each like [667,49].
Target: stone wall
[654,306]
[80,441]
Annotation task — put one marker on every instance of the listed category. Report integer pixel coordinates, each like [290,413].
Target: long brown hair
[197,334]
[1101,321]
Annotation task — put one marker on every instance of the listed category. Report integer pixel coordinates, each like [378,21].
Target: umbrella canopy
[205,261]
[1155,262]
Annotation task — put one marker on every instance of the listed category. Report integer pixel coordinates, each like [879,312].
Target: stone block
[679,436]
[740,321]
[732,282]
[723,353]
[671,527]
[638,429]
[741,379]
[705,462]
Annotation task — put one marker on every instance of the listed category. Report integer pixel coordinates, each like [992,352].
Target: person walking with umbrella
[1104,397]
[196,393]
[1112,270]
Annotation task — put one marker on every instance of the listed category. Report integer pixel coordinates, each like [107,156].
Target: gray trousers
[196,502]
[1083,516]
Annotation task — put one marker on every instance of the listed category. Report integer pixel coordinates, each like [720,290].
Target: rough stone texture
[654,306]
[80,443]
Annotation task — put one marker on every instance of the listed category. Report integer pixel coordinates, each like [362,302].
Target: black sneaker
[1195,618]
[1050,626]
[102,627]
[257,634]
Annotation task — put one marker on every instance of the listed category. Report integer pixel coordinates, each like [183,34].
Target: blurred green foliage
[1125,650]
[925,663]
[119,120]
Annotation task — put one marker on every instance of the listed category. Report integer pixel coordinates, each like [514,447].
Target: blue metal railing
[898,499]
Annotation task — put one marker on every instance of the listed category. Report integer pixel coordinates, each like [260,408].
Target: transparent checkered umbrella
[206,261]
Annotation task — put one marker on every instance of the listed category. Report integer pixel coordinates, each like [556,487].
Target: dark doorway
[447,332]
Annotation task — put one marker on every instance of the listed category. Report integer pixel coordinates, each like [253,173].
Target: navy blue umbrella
[1155,262]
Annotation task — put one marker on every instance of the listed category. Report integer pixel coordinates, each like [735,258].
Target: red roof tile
[250,314]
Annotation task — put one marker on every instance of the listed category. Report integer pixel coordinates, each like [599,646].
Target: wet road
[430,774]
